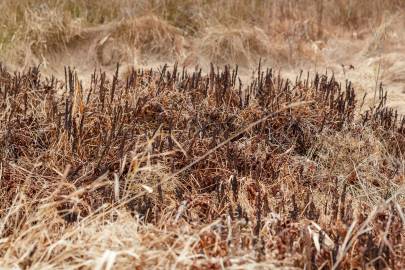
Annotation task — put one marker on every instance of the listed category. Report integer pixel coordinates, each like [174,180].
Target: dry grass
[34,29]
[240,46]
[175,170]
[151,37]
[162,168]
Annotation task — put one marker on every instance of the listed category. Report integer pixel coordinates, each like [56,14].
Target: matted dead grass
[289,35]
[222,167]
[171,169]
[237,46]
[285,32]
[151,37]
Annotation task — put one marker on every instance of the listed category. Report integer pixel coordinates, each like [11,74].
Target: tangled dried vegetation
[189,31]
[175,169]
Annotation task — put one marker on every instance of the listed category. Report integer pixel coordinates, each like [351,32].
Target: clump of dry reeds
[241,46]
[152,37]
[169,168]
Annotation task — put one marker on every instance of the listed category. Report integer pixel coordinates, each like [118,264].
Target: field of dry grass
[288,35]
[180,134]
